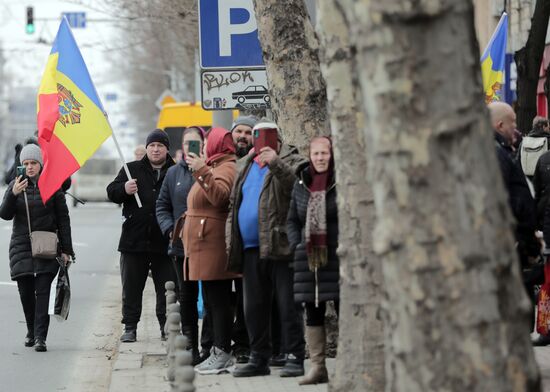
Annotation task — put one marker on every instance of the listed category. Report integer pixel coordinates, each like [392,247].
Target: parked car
[251,92]
[90,181]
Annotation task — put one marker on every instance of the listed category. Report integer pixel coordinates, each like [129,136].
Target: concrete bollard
[170,302]
[184,373]
[174,330]
[171,297]
[172,308]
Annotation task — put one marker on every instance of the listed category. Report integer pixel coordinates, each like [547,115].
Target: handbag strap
[28,214]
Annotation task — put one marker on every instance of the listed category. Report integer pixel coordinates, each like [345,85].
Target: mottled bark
[296,87]
[528,60]
[456,308]
[360,361]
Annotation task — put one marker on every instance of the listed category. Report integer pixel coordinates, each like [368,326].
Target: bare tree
[528,60]
[360,269]
[155,51]
[296,87]
[456,308]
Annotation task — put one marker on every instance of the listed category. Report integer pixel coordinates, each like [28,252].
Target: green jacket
[272,208]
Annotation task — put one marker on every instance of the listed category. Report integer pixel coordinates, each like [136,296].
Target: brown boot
[316,340]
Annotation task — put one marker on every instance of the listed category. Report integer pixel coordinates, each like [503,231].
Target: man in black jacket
[142,245]
[503,120]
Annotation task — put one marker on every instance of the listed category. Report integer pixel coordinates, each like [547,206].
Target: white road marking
[8,283]
[6,227]
[83,244]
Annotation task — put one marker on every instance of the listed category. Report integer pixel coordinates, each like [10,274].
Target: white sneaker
[218,362]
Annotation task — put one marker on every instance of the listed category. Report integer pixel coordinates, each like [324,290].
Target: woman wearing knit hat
[34,275]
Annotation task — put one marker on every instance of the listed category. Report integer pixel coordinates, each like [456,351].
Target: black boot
[129,335]
[256,366]
[294,367]
[278,360]
[40,345]
[29,339]
[192,334]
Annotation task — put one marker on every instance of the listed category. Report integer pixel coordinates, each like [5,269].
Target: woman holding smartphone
[33,275]
[204,240]
[170,210]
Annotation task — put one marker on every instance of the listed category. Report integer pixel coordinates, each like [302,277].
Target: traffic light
[30,20]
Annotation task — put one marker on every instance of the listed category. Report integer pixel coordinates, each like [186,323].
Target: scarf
[256,157]
[219,143]
[316,216]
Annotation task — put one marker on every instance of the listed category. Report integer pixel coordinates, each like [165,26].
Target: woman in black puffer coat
[34,276]
[312,228]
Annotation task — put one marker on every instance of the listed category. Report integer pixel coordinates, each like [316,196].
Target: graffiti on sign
[218,80]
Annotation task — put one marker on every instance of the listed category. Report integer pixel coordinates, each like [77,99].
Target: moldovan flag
[71,120]
[493,61]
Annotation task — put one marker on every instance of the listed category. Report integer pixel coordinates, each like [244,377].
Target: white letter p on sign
[226,29]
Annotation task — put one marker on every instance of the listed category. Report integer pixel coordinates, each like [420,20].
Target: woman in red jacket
[204,240]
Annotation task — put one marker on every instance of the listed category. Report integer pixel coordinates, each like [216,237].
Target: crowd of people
[524,163]
[253,229]
[254,232]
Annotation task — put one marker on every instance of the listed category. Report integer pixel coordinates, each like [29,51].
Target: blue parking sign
[228,35]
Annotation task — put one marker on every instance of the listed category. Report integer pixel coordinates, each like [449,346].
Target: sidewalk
[141,366]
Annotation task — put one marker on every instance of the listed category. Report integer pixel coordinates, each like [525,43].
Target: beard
[242,151]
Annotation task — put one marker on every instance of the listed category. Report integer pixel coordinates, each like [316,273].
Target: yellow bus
[175,117]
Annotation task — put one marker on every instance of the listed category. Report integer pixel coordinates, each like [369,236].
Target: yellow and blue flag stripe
[71,119]
[493,62]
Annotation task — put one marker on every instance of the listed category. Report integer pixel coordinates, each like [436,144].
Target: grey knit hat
[31,152]
[249,121]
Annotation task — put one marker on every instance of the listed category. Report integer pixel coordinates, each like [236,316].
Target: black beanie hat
[158,135]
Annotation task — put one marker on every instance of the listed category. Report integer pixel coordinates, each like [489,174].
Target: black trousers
[188,296]
[218,296]
[263,279]
[239,333]
[276,343]
[34,292]
[315,316]
[134,269]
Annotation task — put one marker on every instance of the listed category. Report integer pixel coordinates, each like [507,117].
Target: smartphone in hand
[265,137]
[22,171]
[195,147]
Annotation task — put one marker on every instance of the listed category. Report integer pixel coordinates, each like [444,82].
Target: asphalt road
[79,349]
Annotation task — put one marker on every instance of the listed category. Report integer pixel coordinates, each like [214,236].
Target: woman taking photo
[171,205]
[313,232]
[35,275]
[204,240]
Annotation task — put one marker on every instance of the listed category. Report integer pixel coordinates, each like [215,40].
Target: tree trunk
[457,312]
[528,61]
[547,89]
[296,87]
[360,361]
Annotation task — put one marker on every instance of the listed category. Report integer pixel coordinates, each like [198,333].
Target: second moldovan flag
[71,120]
[493,61]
